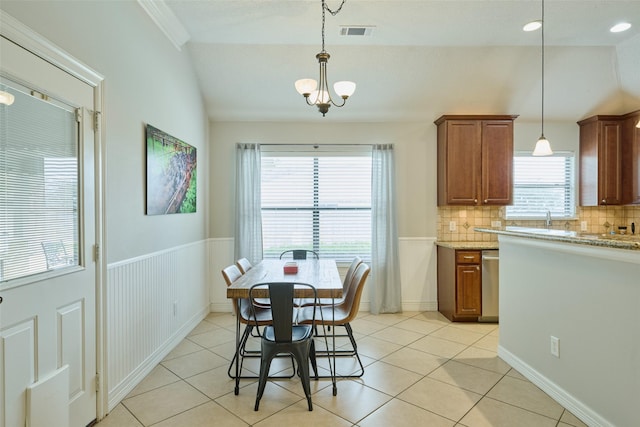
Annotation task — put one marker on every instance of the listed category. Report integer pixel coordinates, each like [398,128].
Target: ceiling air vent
[357,31]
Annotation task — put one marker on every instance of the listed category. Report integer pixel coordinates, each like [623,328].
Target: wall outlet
[496,224]
[555,346]
[583,225]
[452,226]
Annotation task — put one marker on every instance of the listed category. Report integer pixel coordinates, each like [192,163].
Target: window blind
[317,201]
[542,184]
[38,185]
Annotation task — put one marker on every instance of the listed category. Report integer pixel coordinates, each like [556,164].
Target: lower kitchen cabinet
[460,283]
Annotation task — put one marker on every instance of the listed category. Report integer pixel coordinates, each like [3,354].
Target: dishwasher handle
[490,258]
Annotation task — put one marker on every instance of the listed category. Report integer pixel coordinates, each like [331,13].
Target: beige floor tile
[433,316]
[440,398]
[164,402]
[570,419]
[299,414]
[274,399]
[376,348]
[526,395]
[488,342]
[225,350]
[185,347]
[466,376]
[202,327]
[420,326]
[491,413]
[397,335]
[213,338]
[214,382]
[353,401]
[366,327]
[415,360]
[399,413]
[120,417]
[484,359]
[437,346]
[389,379]
[208,415]
[483,328]
[158,377]
[345,366]
[515,374]
[387,319]
[194,363]
[458,335]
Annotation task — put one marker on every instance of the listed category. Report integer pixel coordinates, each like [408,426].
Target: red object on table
[291,267]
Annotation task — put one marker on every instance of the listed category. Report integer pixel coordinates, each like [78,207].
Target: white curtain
[248,233]
[385,289]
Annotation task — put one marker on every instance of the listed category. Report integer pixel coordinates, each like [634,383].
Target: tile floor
[421,369]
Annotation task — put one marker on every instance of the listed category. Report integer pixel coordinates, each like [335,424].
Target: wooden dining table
[321,273]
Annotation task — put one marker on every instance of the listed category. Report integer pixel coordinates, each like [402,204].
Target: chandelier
[318,94]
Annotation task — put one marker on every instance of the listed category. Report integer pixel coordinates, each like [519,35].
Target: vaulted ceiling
[424,58]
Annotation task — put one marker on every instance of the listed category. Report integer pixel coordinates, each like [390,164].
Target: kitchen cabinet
[631,158]
[475,160]
[601,152]
[459,283]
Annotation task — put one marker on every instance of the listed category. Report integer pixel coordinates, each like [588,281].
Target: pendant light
[543,148]
[318,94]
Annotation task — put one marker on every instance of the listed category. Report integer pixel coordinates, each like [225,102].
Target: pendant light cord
[542,113]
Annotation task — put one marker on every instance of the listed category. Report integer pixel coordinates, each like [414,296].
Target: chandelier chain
[332,12]
[542,112]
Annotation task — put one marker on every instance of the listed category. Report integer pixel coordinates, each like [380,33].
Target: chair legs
[302,356]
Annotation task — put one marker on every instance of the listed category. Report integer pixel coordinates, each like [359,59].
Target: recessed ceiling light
[623,26]
[532,26]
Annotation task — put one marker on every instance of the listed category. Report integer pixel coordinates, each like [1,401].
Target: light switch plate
[583,225]
[452,226]
[496,224]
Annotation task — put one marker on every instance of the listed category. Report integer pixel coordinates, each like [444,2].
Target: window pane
[38,186]
[541,184]
[317,202]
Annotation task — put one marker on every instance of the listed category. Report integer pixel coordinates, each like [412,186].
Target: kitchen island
[584,291]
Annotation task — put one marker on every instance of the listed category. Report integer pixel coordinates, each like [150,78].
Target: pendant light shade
[543,148]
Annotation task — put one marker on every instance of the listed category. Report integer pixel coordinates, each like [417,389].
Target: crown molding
[167,21]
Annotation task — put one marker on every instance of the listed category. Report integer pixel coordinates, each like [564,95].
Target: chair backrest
[55,254]
[352,298]
[300,253]
[282,299]
[244,265]
[349,275]
[231,274]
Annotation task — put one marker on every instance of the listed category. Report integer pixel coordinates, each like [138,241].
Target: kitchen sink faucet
[548,221]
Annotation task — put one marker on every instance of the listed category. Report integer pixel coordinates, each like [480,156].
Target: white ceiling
[425,57]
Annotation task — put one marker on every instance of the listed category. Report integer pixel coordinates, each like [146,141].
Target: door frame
[20,34]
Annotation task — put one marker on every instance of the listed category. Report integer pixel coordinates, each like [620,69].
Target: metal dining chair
[283,336]
[300,253]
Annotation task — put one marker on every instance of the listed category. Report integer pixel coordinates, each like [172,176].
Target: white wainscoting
[153,302]
[417,274]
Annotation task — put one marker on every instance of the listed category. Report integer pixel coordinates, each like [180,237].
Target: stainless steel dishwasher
[490,286]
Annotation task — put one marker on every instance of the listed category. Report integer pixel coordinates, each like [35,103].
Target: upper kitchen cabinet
[475,160]
[631,158]
[601,155]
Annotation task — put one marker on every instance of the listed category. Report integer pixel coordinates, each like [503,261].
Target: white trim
[167,21]
[557,393]
[155,254]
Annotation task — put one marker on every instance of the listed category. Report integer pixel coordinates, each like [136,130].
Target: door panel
[48,320]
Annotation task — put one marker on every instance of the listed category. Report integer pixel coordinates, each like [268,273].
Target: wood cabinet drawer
[468,257]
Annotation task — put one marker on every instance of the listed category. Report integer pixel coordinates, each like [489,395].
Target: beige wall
[415,163]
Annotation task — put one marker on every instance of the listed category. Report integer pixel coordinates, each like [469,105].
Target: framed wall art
[171,174]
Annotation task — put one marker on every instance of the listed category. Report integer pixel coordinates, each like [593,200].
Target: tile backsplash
[598,219]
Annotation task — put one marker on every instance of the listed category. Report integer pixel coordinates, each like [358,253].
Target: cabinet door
[631,171]
[497,162]
[610,163]
[468,290]
[463,158]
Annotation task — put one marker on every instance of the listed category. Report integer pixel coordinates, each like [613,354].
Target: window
[39,185]
[541,184]
[317,200]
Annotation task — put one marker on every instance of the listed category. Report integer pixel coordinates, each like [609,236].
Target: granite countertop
[617,241]
[468,245]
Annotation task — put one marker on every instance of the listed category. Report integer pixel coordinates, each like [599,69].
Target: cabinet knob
[475,200]
[486,201]
[604,201]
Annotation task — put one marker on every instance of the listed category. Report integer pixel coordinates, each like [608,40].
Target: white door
[48,319]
